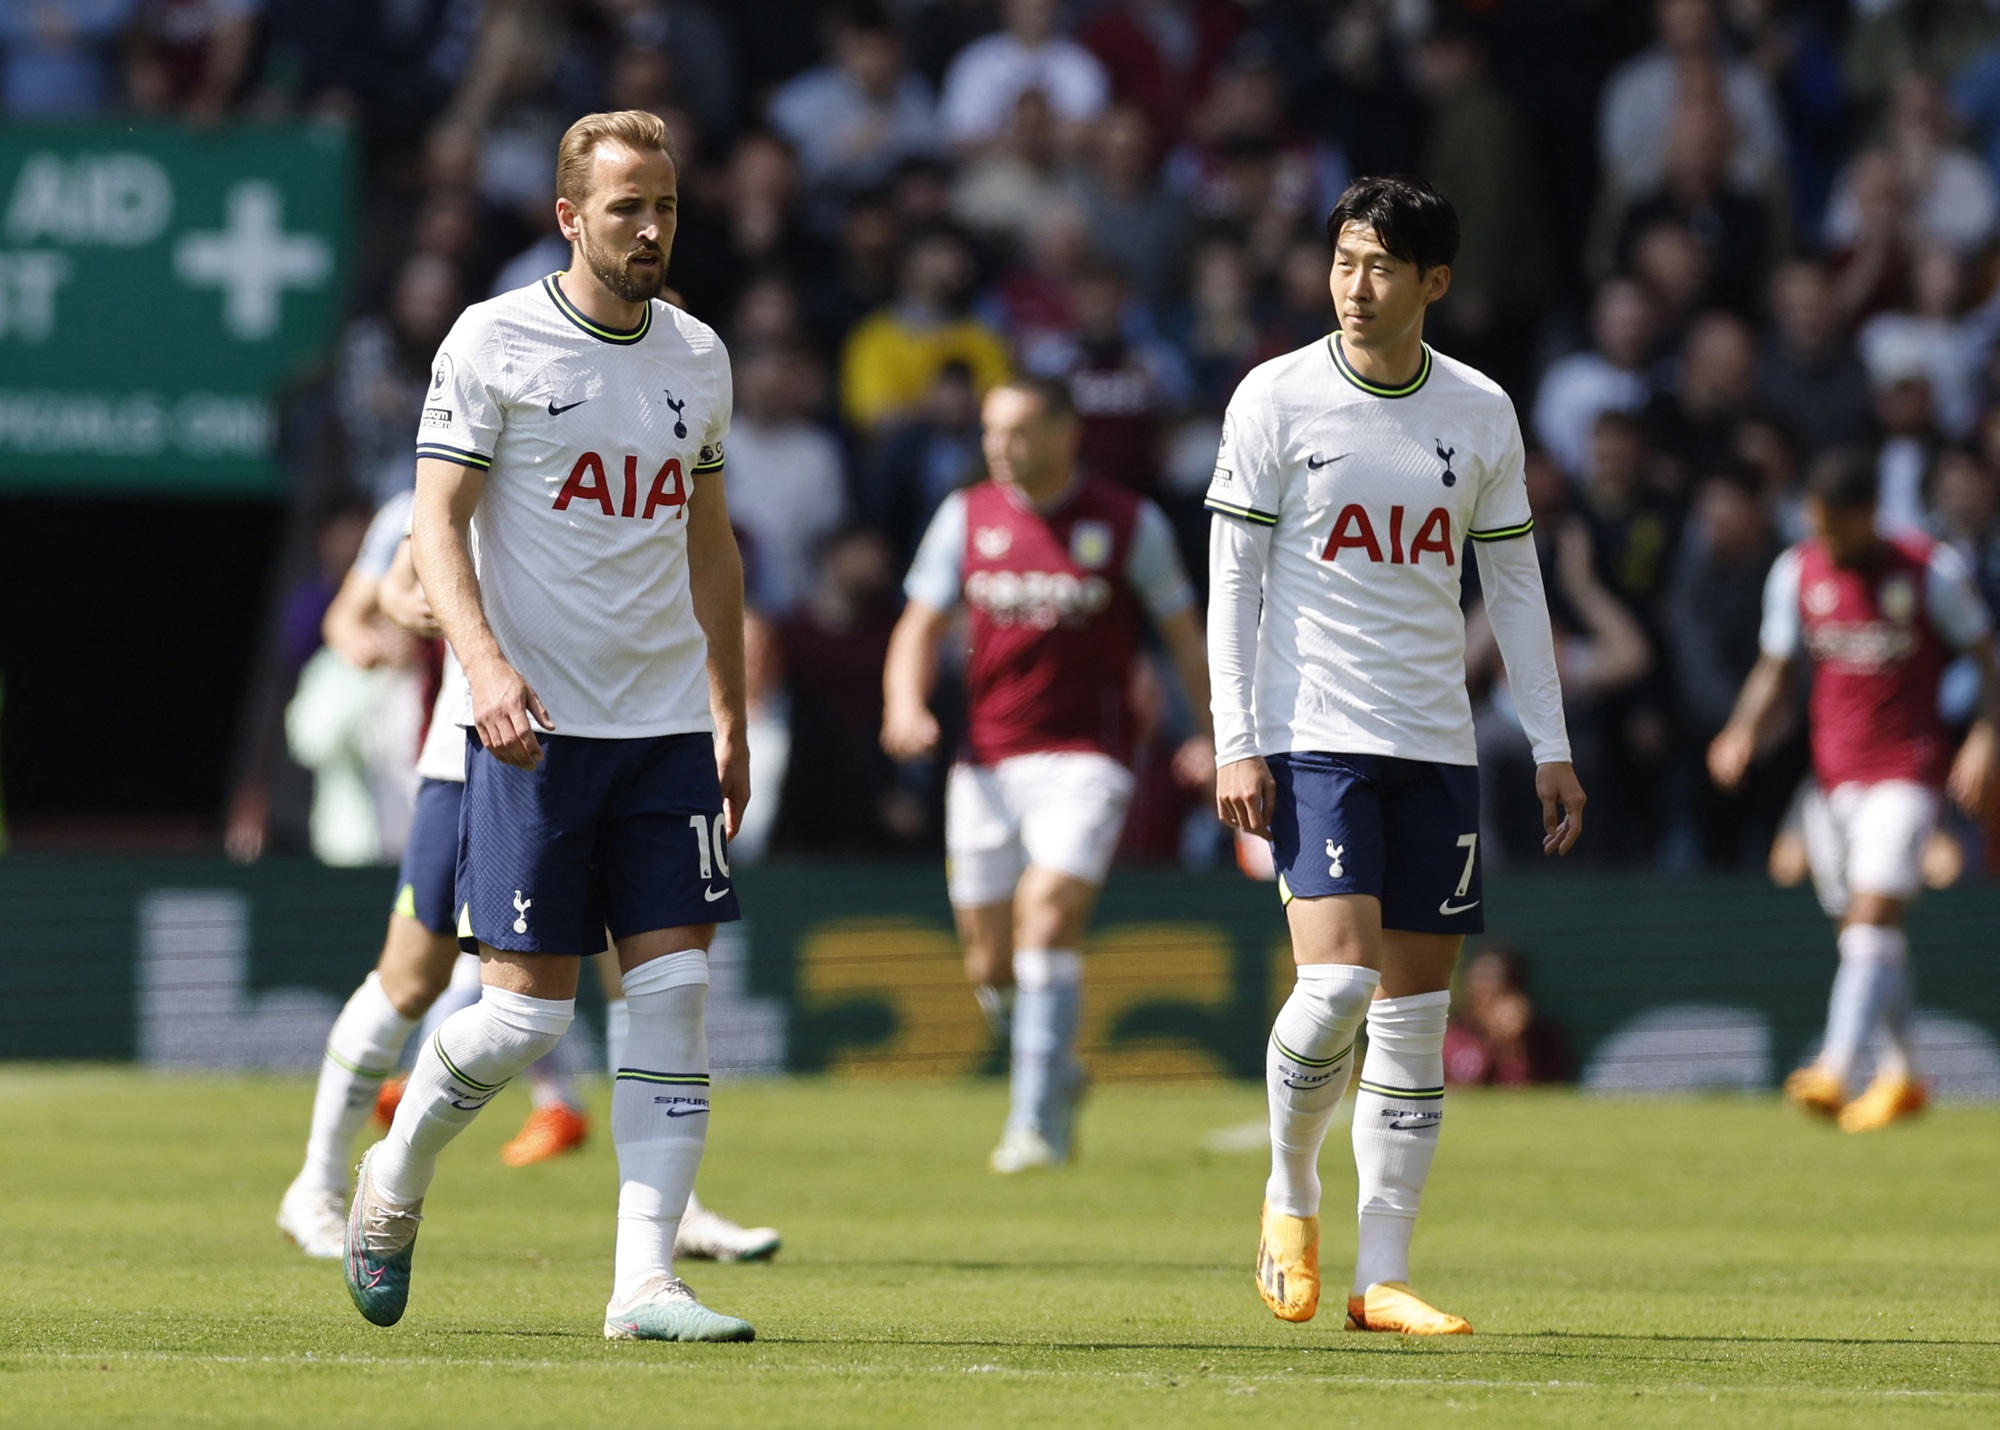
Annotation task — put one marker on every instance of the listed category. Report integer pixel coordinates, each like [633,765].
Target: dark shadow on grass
[1666,1336]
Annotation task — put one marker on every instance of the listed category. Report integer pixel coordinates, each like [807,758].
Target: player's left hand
[1194,762]
[1971,781]
[732,770]
[1562,806]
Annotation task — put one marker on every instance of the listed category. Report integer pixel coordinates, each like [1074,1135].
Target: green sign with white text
[159,288]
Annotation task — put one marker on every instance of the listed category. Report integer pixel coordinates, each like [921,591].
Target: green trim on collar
[624,337]
[1346,370]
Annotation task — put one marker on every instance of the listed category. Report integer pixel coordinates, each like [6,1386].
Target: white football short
[1868,839]
[1061,809]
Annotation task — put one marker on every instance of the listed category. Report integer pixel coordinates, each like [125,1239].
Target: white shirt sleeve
[462,416]
[1239,553]
[1246,484]
[1780,636]
[1510,577]
[1502,511]
[938,571]
[1952,601]
[1153,566]
[709,459]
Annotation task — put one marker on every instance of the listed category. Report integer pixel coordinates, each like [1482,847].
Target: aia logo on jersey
[588,483]
[1354,531]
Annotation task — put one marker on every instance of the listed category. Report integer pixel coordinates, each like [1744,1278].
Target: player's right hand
[909,732]
[1244,795]
[501,705]
[1729,757]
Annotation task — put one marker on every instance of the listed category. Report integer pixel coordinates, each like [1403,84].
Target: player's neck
[1050,492]
[598,303]
[1393,364]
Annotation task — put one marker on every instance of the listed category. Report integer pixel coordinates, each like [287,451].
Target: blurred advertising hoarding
[160,287]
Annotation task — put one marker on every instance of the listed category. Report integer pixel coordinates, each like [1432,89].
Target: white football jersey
[592,440]
[443,754]
[1369,493]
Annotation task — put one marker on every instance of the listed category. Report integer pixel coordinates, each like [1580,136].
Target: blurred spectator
[1610,375]
[1479,155]
[59,57]
[1965,503]
[1733,226]
[1636,118]
[924,460]
[864,271]
[1004,190]
[853,120]
[701,59]
[1906,413]
[1671,268]
[769,734]
[1161,55]
[1794,48]
[1126,390]
[893,356]
[1495,1037]
[750,224]
[767,315]
[1769,447]
[1890,39]
[1930,338]
[1134,220]
[1601,652]
[1941,192]
[322,57]
[1808,374]
[1633,527]
[935,31]
[787,487]
[990,75]
[1713,615]
[382,372]
[1367,105]
[1217,331]
[840,790]
[1034,303]
[1302,311]
[189,57]
[1693,425]
[1163,799]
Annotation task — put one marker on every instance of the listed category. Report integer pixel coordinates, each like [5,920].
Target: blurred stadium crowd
[1706,240]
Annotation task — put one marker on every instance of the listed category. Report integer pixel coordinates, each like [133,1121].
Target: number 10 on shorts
[707,835]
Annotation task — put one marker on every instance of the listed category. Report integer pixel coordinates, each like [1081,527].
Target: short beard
[613,272]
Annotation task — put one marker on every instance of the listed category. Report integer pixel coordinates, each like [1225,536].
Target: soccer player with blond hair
[1351,474]
[571,535]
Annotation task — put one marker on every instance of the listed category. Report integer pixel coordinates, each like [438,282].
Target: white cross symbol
[253,260]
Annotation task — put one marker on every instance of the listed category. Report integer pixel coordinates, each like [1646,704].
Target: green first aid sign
[159,288]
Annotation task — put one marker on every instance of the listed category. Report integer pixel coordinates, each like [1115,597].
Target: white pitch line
[1025,1372]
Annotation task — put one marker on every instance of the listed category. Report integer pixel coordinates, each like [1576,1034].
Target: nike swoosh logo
[686,1111]
[555,411]
[1447,908]
[713,894]
[1315,461]
[1421,1125]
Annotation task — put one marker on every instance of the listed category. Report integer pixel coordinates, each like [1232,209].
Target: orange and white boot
[1288,1264]
[1815,1090]
[388,1097]
[1890,1098]
[551,1130]
[1393,1306]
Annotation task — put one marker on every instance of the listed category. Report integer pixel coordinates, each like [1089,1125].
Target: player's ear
[566,219]
[1437,282]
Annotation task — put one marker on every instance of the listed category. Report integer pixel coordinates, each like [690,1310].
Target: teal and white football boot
[665,1310]
[380,1239]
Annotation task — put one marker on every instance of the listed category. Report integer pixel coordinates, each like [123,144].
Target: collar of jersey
[1341,365]
[623,336]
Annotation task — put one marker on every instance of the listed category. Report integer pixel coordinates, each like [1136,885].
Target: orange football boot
[1393,1306]
[1888,1099]
[1815,1091]
[549,1132]
[1288,1264]
[388,1097]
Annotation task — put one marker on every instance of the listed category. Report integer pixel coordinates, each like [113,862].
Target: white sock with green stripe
[1306,1069]
[363,1048]
[1398,1111]
[475,1054]
[659,1113]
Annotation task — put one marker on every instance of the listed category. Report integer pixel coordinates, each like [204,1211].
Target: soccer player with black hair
[1880,618]
[1351,475]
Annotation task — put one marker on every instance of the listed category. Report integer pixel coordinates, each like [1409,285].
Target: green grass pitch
[1710,1263]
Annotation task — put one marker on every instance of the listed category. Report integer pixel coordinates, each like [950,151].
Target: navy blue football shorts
[1405,831]
[625,835]
[430,860]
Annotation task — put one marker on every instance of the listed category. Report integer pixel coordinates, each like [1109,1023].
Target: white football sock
[1306,1068]
[617,1019]
[459,994]
[364,1047]
[1048,1003]
[1865,989]
[1398,1112]
[659,1113]
[473,1056]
